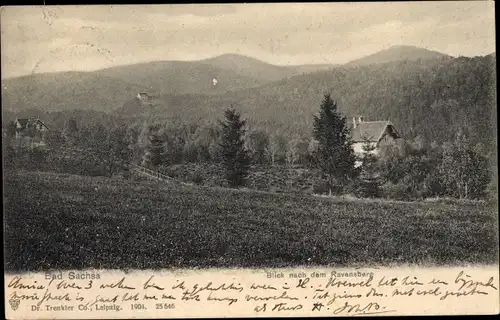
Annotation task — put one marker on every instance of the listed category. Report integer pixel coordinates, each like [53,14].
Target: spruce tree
[70,132]
[370,182]
[334,154]
[155,151]
[235,157]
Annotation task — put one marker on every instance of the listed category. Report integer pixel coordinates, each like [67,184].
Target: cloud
[52,38]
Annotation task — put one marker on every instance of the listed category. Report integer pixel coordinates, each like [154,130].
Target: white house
[148,99]
[377,133]
[30,131]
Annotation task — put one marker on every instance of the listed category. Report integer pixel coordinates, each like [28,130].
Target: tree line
[409,169]
[405,170]
[431,98]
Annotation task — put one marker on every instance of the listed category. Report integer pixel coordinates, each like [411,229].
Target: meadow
[61,221]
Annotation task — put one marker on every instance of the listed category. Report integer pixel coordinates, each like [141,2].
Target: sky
[83,38]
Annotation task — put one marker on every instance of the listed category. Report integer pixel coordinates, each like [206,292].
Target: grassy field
[65,222]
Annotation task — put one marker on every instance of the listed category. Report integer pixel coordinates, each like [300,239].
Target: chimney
[354,122]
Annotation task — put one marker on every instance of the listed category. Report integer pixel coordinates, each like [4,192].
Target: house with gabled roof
[31,130]
[377,133]
[148,99]
[143,96]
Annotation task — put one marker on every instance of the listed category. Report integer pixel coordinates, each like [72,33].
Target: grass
[71,222]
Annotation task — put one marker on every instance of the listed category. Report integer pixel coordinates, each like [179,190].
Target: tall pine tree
[370,182]
[235,157]
[334,154]
[155,151]
[70,132]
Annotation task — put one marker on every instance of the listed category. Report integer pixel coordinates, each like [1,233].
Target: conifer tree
[155,151]
[70,132]
[235,157]
[370,182]
[334,154]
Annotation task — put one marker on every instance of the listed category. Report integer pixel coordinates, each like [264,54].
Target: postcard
[249,160]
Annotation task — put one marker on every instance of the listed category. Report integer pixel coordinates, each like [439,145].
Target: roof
[28,122]
[372,131]
[23,122]
[146,95]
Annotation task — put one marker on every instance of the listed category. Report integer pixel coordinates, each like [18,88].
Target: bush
[466,173]
[433,186]
[396,191]
[326,186]
[367,188]
[321,187]
[455,170]
[197,178]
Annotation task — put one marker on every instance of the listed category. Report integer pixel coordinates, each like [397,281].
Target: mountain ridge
[397,53]
[287,70]
[420,97]
[108,89]
[417,95]
[312,67]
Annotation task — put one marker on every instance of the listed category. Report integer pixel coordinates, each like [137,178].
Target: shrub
[466,173]
[197,178]
[329,186]
[396,191]
[321,187]
[367,188]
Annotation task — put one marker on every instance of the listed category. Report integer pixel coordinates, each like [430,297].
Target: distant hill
[397,53]
[257,69]
[108,89]
[233,72]
[66,91]
[429,98]
[310,68]
[181,77]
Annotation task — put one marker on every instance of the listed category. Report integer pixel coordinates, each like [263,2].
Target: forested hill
[397,53]
[66,91]
[264,72]
[109,88]
[182,77]
[432,98]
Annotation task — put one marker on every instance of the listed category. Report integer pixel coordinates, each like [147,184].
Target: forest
[220,154]
[444,109]
[430,98]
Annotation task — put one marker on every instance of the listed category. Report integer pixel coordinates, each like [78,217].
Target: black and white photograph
[207,136]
